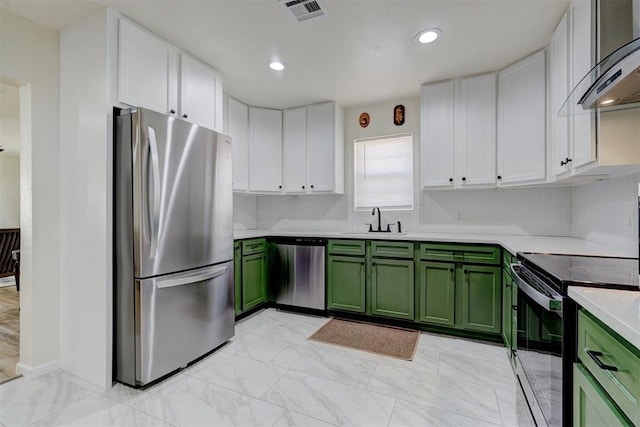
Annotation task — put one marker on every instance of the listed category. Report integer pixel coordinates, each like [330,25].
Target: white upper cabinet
[582,59]
[325,148]
[522,120]
[146,69]
[458,126]
[294,150]
[475,131]
[265,150]
[237,116]
[436,129]
[155,75]
[200,93]
[313,149]
[559,90]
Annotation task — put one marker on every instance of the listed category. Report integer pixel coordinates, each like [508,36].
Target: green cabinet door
[591,405]
[392,289]
[237,277]
[481,298]
[437,293]
[507,316]
[254,280]
[346,283]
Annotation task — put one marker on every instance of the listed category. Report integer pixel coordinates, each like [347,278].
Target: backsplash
[245,212]
[607,212]
[507,211]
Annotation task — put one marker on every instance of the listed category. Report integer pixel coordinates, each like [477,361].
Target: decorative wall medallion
[398,115]
[364,120]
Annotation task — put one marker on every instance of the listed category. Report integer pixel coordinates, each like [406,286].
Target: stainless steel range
[547,324]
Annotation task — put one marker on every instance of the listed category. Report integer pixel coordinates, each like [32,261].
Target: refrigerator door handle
[155,170]
[219,271]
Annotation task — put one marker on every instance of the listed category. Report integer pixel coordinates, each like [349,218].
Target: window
[384,172]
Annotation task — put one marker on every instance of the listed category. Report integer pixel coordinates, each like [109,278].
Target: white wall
[9,192]
[29,58]
[607,212]
[86,162]
[511,211]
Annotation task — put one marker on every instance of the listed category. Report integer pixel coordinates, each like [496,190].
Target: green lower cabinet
[237,277]
[254,280]
[514,315]
[437,293]
[392,288]
[591,405]
[481,298]
[507,308]
[346,283]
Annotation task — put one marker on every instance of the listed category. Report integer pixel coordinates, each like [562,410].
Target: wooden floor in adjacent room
[9,331]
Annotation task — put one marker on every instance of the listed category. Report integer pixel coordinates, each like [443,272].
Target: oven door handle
[551,304]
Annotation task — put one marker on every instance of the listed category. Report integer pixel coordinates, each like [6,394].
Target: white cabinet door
[238,130]
[521,120]
[436,129]
[321,147]
[200,93]
[265,150]
[583,136]
[475,131]
[294,150]
[559,90]
[146,73]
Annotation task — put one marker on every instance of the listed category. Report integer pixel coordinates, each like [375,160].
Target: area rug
[385,340]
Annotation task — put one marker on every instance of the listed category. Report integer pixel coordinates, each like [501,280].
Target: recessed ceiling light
[428,35]
[276,65]
[607,101]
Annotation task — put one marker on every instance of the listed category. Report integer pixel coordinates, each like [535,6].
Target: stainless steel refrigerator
[173,244]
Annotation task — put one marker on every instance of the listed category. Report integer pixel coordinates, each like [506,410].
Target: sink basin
[370,233]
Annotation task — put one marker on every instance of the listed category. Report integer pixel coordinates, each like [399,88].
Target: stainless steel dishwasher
[299,278]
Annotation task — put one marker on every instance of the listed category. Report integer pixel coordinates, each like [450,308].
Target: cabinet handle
[464,179]
[450,179]
[594,355]
[499,177]
[361,262]
[185,116]
[311,185]
[562,163]
[303,187]
[172,111]
[280,186]
[373,264]
[451,270]
[569,160]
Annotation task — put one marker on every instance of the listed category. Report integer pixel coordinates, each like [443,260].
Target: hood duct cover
[613,84]
[303,10]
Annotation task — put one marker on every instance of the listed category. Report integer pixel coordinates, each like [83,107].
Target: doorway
[9,229]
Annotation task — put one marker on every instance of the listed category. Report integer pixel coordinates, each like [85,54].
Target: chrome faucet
[373,212]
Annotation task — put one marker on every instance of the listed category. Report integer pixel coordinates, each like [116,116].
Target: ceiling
[361,52]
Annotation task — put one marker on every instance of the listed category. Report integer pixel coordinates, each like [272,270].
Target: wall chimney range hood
[613,84]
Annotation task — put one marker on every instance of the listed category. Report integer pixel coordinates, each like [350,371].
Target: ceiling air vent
[303,10]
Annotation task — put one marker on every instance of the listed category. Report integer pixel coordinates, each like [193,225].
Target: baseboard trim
[37,371]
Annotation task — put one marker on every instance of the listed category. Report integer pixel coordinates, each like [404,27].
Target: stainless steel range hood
[613,84]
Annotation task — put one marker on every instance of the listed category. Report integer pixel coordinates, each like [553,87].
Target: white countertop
[619,310]
[513,243]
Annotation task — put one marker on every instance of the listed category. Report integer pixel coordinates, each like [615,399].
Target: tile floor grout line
[410,402]
[395,402]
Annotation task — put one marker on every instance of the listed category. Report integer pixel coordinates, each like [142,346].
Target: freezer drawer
[180,317]
[301,277]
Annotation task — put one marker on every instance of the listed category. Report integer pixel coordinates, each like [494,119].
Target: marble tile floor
[9,329]
[269,374]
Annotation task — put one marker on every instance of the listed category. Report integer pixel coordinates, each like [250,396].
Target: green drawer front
[254,246]
[392,249]
[591,405]
[462,253]
[597,343]
[346,247]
